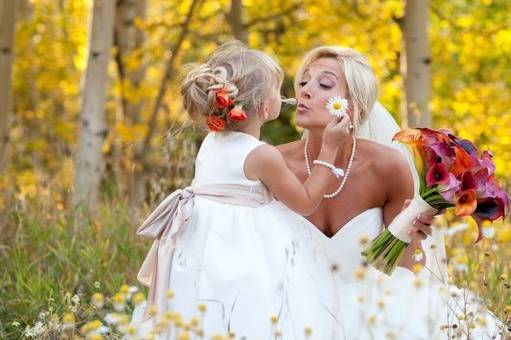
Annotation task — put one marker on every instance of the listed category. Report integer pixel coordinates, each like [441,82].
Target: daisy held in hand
[337,106]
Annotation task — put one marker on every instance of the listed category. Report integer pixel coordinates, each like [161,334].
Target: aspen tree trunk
[92,128]
[7,25]
[416,64]
[128,40]
[235,20]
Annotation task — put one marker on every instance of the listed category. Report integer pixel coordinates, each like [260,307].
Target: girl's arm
[267,164]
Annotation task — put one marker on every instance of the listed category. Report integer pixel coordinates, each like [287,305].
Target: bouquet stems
[385,252]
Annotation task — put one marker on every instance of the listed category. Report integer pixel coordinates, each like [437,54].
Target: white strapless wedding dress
[373,305]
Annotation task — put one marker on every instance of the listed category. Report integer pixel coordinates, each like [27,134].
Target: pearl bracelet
[338,172]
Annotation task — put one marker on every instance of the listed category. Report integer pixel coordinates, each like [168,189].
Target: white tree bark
[416,70]
[235,19]
[92,128]
[7,24]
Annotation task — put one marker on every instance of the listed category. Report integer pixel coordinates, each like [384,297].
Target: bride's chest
[355,198]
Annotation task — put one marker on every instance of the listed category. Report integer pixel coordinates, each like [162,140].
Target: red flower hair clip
[222,99]
[215,123]
[237,113]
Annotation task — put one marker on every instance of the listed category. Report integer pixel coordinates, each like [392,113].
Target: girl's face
[322,80]
[273,104]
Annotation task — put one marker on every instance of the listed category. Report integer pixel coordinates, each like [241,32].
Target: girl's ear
[265,110]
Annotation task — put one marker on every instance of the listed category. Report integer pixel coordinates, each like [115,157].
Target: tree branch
[273,16]
[169,74]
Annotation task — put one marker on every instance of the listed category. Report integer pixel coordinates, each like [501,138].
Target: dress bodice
[221,158]
[344,248]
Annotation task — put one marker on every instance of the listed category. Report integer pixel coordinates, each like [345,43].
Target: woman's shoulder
[291,150]
[385,159]
[290,147]
[293,155]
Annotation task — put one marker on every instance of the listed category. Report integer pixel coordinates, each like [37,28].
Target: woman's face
[322,80]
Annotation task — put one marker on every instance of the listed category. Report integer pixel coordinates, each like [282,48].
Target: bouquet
[451,174]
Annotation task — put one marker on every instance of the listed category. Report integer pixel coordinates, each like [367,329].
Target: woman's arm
[400,189]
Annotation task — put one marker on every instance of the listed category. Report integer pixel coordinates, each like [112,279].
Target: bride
[415,302]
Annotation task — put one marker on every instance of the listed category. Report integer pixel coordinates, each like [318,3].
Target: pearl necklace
[348,169]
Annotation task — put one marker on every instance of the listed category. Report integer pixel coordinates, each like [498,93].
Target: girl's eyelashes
[324,86]
[302,83]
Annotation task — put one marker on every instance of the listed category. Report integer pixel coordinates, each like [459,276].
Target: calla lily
[442,149]
[491,209]
[437,174]
[486,162]
[462,161]
[467,181]
[465,202]
[482,181]
[430,137]
[449,189]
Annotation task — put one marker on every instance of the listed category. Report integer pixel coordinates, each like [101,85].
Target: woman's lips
[302,107]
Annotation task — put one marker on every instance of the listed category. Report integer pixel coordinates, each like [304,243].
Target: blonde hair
[247,75]
[362,83]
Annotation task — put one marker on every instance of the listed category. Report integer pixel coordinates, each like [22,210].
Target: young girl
[223,243]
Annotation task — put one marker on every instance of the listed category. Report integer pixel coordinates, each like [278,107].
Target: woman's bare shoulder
[385,159]
[291,150]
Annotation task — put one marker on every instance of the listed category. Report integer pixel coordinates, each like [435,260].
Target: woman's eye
[324,86]
[302,83]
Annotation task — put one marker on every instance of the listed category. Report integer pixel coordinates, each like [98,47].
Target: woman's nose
[305,92]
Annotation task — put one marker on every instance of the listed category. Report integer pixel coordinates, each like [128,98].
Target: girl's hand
[337,131]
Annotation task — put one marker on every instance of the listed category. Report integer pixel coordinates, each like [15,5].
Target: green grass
[45,255]
[49,253]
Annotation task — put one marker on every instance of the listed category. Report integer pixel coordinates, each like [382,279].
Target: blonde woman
[377,181]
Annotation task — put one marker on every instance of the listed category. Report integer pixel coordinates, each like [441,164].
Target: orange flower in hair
[215,123]
[222,99]
[237,113]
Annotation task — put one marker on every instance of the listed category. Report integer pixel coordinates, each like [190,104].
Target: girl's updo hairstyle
[248,76]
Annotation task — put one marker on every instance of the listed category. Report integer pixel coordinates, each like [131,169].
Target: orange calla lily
[465,202]
[408,136]
[462,161]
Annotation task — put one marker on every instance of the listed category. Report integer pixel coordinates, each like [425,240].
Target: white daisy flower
[337,106]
